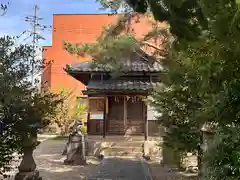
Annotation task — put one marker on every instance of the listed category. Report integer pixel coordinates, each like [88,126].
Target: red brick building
[77,28]
[72,28]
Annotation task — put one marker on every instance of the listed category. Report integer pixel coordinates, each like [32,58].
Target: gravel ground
[49,160]
[163,173]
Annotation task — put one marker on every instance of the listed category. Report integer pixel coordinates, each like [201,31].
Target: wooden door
[134,123]
[125,116]
[115,117]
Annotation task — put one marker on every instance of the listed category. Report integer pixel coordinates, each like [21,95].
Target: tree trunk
[27,164]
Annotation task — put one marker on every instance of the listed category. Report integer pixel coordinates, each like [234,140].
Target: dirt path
[49,160]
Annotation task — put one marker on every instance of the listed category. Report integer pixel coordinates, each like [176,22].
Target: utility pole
[35,40]
[34,33]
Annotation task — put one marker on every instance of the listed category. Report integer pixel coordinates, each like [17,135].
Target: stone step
[123,144]
[112,138]
[124,138]
[155,159]
[109,152]
[128,149]
[128,157]
[122,151]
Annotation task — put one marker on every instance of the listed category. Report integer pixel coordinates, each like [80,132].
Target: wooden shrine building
[117,103]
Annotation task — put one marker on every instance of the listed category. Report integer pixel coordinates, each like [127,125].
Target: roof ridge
[86,14]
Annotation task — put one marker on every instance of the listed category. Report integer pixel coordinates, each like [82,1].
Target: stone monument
[208,134]
[76,147]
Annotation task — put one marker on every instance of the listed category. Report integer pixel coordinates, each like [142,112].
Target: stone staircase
[118,146]
[124,147]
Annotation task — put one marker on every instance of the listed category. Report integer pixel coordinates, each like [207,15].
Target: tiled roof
[136,66]
[122,85]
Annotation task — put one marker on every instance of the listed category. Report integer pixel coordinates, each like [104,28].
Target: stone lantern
[27,168]
[208,133]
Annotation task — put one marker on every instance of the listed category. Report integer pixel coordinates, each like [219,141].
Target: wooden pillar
[124,113]
[88,122]
[105,117]
[145,122]
[88,115]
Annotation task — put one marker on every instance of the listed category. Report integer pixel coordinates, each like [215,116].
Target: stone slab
[121,169]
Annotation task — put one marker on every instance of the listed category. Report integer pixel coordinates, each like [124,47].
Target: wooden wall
[133,124]
[95,127]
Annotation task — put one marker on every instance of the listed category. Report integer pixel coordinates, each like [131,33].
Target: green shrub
[222,160]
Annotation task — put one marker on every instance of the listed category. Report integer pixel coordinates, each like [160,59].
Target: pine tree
[201,71]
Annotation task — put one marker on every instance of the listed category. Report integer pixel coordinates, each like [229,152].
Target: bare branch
[4,8]
[119,26]
[152,45]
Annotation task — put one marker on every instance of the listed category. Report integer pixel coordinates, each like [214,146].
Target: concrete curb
[146,169]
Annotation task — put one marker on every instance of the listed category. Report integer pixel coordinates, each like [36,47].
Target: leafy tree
[183,100]
[115,5]
[67,114]
[186,17]
[24,111]
[222,159]
[112,48]
[216,85]
[117,42]
[202,69]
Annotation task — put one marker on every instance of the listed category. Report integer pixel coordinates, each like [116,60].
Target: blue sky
[13,22]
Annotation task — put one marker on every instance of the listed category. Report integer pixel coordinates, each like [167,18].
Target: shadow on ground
[49,161]
[165,173]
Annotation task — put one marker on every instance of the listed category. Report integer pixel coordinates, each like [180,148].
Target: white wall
[96,116]
[151,113]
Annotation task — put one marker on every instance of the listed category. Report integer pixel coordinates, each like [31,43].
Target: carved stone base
[34,175]
[65,149]
[75,158]
[73,150]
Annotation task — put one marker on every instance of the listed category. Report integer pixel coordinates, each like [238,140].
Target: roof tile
[120,85]
[137,66]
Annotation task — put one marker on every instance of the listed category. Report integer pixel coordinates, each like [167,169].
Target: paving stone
[119,169]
